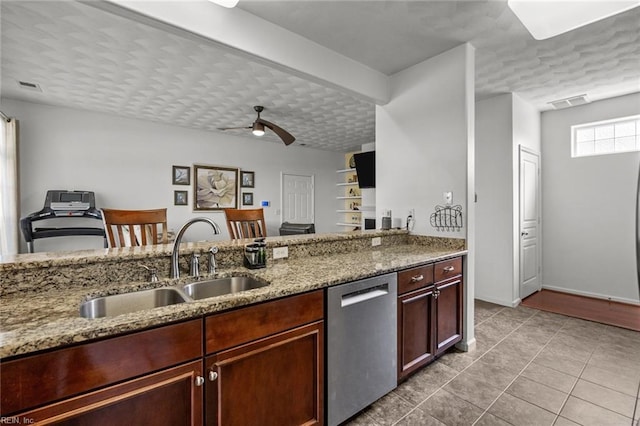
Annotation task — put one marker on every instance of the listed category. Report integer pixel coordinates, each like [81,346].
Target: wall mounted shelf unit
[350,195]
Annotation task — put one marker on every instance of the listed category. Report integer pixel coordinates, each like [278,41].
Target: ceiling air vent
[569,102]
[30,86]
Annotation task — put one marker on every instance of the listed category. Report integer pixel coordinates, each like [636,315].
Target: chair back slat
[245,223]
[135,227]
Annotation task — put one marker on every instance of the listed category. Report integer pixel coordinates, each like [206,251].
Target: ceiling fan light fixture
[257,129]
[545,19]
[229,4]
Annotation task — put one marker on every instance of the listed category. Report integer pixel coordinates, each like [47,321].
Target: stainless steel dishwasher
[361,344]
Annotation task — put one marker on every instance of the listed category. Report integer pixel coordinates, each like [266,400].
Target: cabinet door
[74,370]
[415,331]
[276,381]
[449,314]
[169,397]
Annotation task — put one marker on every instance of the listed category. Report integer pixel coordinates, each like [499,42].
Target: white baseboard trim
[467,345]
[496,301]
[589,294]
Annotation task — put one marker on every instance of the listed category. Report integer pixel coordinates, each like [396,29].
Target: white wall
[421,141]
[127,163]
[494,209]
[589,207]
[503,124]
[526,125]
[424,146]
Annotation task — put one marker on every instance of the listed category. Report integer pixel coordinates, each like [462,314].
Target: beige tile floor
[529,368]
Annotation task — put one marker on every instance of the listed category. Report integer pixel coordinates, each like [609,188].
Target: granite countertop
[34,322]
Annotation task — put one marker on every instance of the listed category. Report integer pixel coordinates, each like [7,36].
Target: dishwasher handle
[364,295]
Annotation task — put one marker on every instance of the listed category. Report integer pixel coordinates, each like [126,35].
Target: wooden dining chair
[128,228]
[245,223]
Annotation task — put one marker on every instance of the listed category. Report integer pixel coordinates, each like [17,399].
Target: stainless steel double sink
[117,304]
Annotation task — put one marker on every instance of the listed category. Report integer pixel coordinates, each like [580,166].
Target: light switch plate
[280,252]
[376,241]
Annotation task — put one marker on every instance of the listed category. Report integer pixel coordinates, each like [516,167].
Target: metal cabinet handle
[436,293]
[199,381]
[449,269]
[212,376]
[417,278]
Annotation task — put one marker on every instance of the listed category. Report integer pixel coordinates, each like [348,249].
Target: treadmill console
[58,200]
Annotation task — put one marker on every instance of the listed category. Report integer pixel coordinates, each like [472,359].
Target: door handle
[363,295]
[212,376]
[417,278]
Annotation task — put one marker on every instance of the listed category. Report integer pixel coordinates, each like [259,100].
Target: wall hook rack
[447,218]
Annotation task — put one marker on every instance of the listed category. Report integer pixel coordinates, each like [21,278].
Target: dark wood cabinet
[170,397]
[44,378]
[271,371]
[415,335]
[448,306]
[274,381]
[429,313]
[266,366]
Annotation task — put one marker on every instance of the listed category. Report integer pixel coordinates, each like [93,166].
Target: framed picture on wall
[181,175]
[247,198]
[215,187]
[180,198]
[247,179]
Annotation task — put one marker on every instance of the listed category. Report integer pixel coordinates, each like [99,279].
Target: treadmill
[63,204]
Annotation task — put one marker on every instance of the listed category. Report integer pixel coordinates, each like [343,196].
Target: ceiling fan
[257,128]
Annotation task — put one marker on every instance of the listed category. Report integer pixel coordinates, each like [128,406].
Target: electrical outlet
[376,241]
[448,198]
[280,252]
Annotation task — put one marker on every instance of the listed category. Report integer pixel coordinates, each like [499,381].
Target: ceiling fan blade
[286,137]
[233,128]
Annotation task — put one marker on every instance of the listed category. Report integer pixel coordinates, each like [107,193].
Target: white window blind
[606,137]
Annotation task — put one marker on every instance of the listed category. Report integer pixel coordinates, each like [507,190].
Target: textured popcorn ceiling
[601,59]
[84,57]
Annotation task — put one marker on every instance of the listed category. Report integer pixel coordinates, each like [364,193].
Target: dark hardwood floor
[619,314]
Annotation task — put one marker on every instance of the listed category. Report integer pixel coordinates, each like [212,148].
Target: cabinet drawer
[415,278]
[244,325]
[448,269]
[134,402]
[43,378]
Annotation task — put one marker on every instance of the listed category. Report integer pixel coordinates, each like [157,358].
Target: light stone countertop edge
[32,323]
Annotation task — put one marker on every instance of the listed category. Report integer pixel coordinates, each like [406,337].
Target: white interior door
[530,262]
[297,198]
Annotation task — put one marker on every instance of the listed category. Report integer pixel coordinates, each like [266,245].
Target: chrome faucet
[175,269]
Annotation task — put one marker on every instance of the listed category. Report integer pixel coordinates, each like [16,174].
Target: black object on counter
[297,228]
[255,254]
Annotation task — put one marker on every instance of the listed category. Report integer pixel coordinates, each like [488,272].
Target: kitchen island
[40,316]
[37,316]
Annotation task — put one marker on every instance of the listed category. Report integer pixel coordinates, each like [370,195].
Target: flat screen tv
[366,169]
